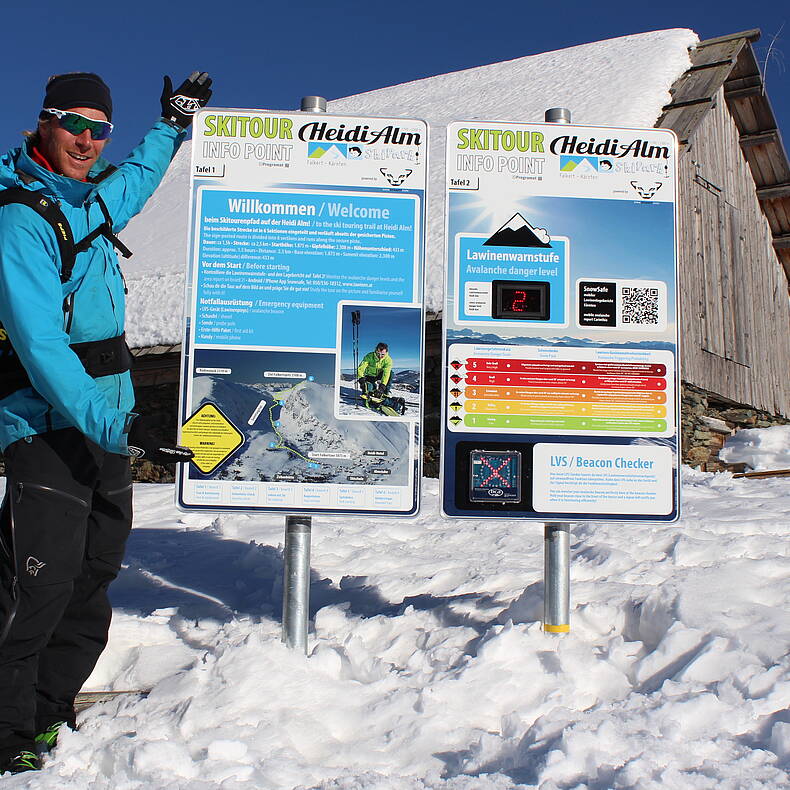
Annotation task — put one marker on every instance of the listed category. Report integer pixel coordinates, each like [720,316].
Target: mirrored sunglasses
[76,124]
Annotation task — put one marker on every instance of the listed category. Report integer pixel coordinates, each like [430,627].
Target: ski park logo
[330,152]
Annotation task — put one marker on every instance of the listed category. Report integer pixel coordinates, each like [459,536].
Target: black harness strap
[105,229]
[50,211]
[99,357]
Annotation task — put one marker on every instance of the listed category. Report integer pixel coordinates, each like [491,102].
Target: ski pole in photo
[356,317]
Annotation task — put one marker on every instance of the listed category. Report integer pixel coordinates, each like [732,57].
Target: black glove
[381,391]
[180,105]
[142,444]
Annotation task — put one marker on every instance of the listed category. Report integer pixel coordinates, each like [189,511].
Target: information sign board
[305,256]
[560,393]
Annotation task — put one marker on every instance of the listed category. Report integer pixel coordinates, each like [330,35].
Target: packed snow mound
[427,666]
[154,275]
[619,82]
[763,449]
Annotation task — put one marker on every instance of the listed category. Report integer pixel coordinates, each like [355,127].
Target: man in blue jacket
[67,419]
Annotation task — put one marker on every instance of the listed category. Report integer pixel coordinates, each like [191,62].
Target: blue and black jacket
[42,317]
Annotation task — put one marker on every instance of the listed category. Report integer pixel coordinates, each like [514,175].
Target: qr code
[639,305]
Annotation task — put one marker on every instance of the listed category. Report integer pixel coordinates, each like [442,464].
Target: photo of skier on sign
[374,373]
[378,377]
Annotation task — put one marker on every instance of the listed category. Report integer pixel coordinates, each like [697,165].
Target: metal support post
[296,581]
[556,536]
[556,578]
[298,529]
[558,115]
[313,104]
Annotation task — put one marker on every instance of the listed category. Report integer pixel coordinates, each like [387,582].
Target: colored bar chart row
[592,409]
[481,364]
[565,380]
[542,395]
[499,421]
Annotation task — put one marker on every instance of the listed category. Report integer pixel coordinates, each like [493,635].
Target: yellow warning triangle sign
[211,436]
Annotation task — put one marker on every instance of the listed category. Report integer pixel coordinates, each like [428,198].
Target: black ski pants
[71,504]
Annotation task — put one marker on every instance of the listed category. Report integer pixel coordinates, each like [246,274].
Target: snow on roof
[620,82]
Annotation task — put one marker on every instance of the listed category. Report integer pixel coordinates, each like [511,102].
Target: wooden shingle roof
[729,61]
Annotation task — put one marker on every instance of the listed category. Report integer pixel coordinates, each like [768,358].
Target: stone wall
[707,421]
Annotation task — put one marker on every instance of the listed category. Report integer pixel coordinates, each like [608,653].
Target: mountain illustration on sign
[517,232]
[331,152]
[295,436]
[579,165]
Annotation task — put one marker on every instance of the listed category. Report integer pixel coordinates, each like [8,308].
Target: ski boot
[47,740]
[24,761]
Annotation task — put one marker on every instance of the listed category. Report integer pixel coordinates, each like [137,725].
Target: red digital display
[520,300]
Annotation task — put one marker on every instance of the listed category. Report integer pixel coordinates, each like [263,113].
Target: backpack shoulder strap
[105,229]
[116,242]
[49,211]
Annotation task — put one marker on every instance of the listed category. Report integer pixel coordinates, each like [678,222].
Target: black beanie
[78,89]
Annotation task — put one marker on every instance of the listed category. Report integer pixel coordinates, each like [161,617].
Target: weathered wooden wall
[735,318]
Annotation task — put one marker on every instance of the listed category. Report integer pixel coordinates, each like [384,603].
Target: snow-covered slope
[427,666]
[623,81]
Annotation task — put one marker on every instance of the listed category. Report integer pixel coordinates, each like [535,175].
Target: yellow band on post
[556,629]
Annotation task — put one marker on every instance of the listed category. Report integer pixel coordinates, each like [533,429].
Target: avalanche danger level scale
[578,390]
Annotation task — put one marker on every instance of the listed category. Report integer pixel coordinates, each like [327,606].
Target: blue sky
[266,54]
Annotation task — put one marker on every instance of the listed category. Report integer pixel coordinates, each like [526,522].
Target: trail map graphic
[295,437]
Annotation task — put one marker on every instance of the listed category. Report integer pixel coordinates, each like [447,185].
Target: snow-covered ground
[427,664]
[762,448]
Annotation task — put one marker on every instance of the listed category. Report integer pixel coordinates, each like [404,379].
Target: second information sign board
[560,375]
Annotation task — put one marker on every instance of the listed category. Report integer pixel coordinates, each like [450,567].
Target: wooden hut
[734,228]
